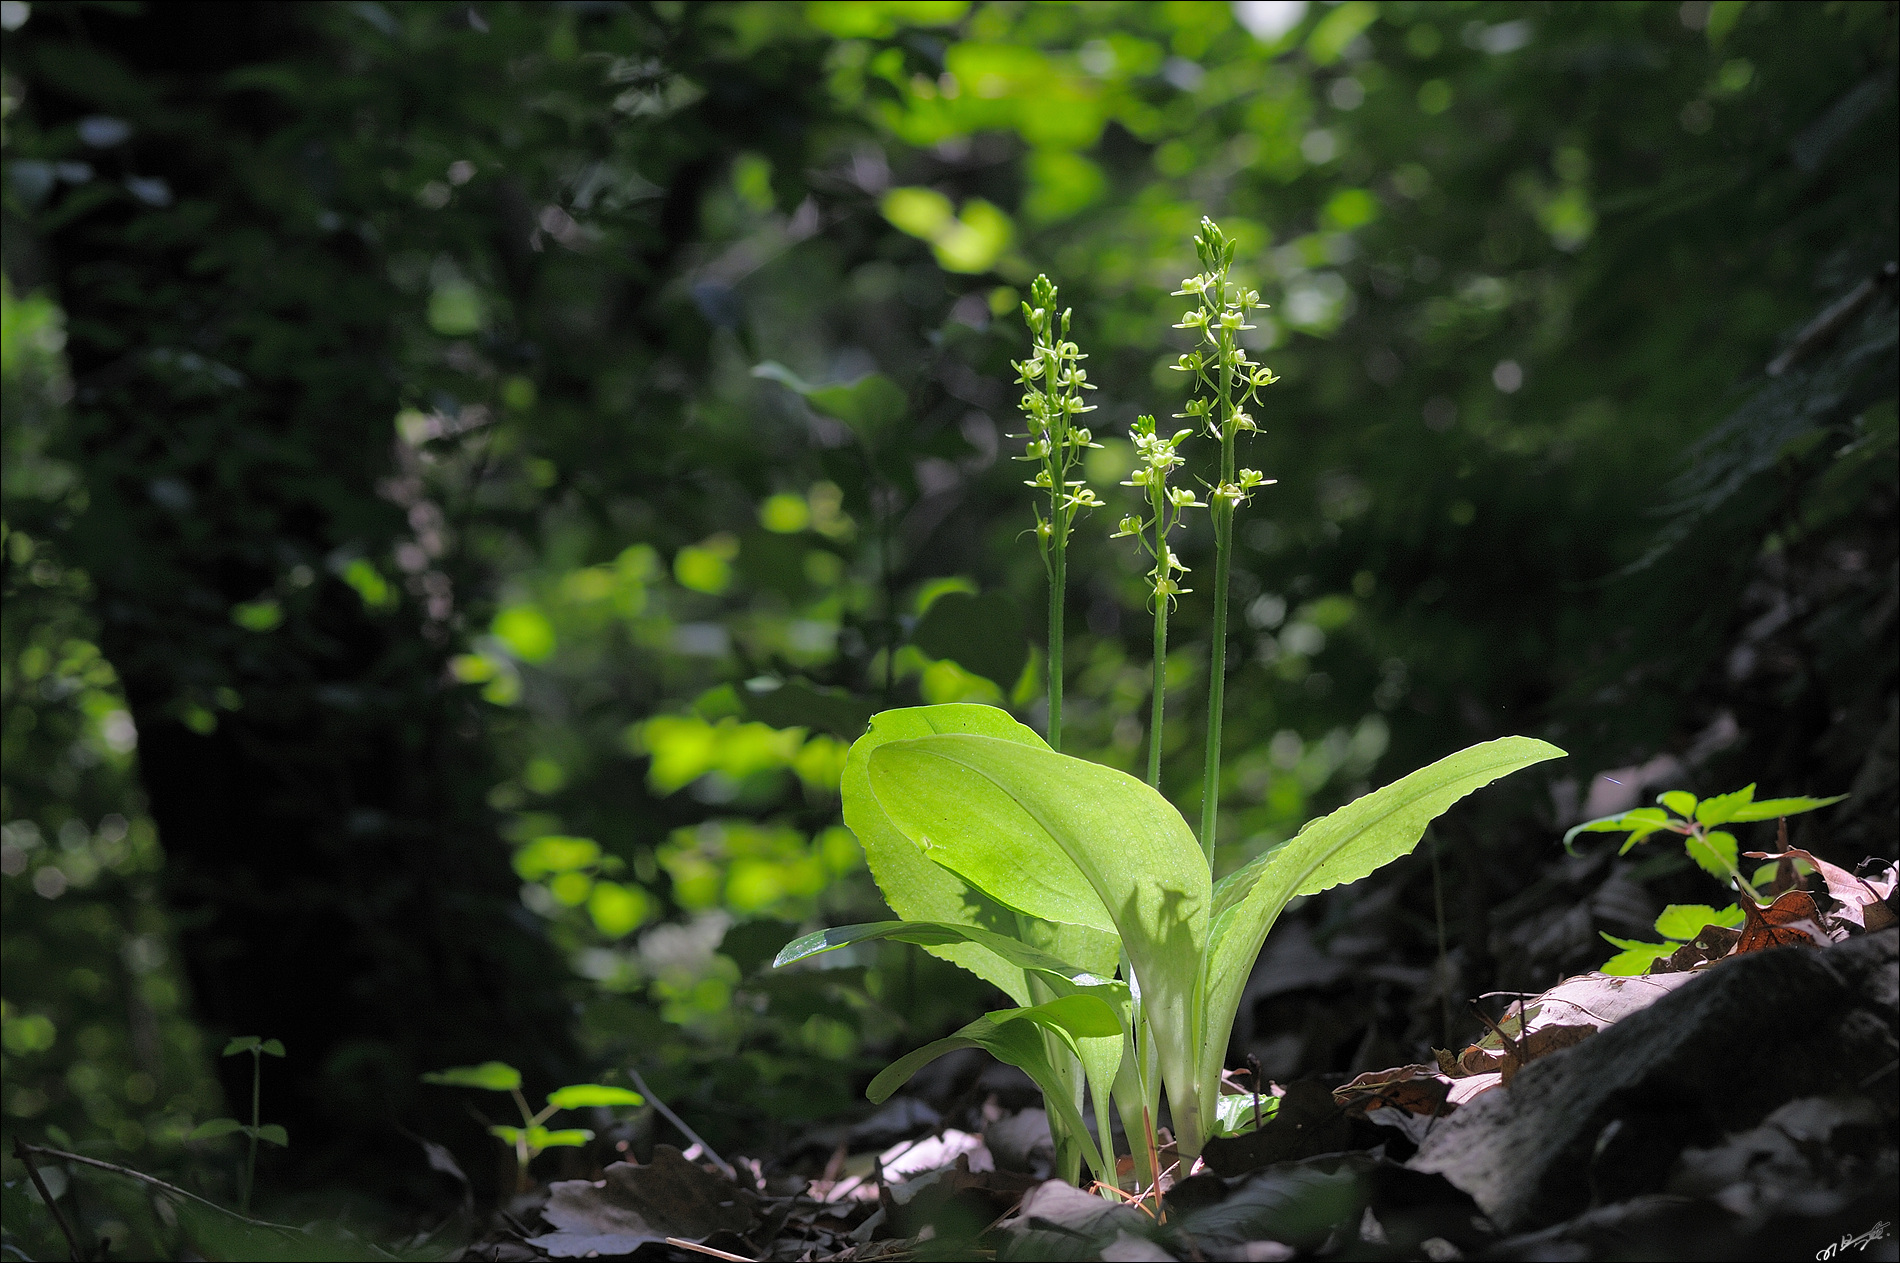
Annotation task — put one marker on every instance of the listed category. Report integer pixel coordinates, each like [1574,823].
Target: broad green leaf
[1715,853]
[1722,808]
[938,933]
[212,1128]
[1234,1115]
[1636,957]
[494,1076]
[273,1134]
[1775,808]
[1685,920]
[241,1044]
[1364,835]
[1680,801]
[272,1048]
[582,1095]
[1012,1036]
[1021,824]
[917,889]
[968,825]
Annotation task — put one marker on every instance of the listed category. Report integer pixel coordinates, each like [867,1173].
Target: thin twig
[21,1150]
[24,1153]
[680,1123]
[682,1244]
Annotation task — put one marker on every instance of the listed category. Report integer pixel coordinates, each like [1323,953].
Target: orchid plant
[1077,889]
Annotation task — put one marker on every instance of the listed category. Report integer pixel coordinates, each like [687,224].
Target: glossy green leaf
[1715,853]
[212,1128]
[921,891]
[1775,808]
[271,1133]
[493,1076]
[1360,837]
[1685,920]
[1014,1036]
[584,1095]
[1722,808]
[1024,824]
[1680,801]
[1234,1115]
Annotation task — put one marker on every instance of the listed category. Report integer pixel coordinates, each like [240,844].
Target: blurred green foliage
[680,341]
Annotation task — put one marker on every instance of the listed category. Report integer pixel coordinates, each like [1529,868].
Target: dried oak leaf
[1862,901]
[1414,1089]
[633,1205]
[1712,942]
[1791,920]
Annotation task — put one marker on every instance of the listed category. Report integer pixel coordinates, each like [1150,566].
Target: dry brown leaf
[1791,920]
[1414,1089]
[1861,901]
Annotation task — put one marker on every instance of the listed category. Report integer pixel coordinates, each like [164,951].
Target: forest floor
[1737,1102]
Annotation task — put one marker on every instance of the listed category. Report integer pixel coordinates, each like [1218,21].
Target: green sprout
[1714,850]
[210,1129]
[533,1137]
[1231,381]
[1053,381]
[1157,459]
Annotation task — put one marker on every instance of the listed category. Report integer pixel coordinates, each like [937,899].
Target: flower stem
[1058,579]
[1222,510]
[1160,690]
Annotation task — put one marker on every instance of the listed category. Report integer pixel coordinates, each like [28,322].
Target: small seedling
[1714,850]
[533,1137]
[211,1129]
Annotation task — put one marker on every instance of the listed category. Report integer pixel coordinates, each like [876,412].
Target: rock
[1606,1120]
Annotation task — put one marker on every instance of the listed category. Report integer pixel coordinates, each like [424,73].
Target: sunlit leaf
[567,1137]
[1714,853]
[919,890]
[1775,808]
[1722,808]
[493,1076]
[1353,841]
[1680,801]
[583,1095]
[1636,957]
[1685,920]
[1071,841]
